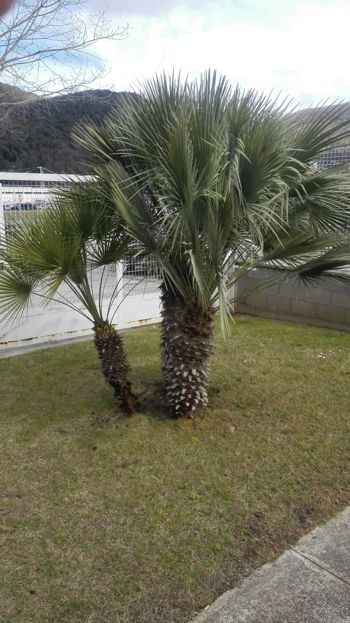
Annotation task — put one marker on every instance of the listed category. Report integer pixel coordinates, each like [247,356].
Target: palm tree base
[114,363]
[187,344]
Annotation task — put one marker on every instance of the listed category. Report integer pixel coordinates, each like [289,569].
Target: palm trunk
[187,344]
[114,363]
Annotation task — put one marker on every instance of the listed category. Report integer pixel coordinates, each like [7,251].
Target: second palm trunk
[187,344]
[114,363]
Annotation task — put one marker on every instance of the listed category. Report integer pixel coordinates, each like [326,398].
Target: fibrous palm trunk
[187,344]
[114,363]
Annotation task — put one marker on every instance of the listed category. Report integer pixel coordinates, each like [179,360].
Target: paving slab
[329,545]
[307,584]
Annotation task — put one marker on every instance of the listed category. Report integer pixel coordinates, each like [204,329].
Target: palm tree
[75,243]
[212,182]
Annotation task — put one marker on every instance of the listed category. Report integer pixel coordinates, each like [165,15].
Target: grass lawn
[147,520]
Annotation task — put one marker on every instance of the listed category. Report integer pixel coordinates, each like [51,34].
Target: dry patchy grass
[146,520]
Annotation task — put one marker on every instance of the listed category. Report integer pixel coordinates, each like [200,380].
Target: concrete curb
[14,351]
[309,583]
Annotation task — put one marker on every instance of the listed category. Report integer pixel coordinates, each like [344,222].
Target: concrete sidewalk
[309,583]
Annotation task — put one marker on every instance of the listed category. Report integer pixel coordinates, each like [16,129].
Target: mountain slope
[38,133]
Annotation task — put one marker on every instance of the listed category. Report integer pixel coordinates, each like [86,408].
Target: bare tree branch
[46,46]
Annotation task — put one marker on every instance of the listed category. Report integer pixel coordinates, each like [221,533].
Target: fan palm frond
[64,246]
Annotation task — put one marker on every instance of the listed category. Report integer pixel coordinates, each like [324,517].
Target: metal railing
[141,275]
[333,157]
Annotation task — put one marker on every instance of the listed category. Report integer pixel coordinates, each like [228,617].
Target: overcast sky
[298,47]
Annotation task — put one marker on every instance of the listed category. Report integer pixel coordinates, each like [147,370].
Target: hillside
[341,110]
[10,95]
[38,133]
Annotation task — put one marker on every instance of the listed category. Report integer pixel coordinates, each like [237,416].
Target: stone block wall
[323,303]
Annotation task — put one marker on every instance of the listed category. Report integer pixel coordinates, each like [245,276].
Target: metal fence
[131,299]
[333,157]
[15,218]
[22,200]
[141,275]
[23,195]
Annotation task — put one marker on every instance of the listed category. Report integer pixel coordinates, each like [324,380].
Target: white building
[32,188]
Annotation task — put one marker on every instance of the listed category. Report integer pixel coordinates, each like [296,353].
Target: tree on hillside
[46,46]
[212,182]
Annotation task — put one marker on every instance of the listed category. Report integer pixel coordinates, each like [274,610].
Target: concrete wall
[325,304]
[52,325]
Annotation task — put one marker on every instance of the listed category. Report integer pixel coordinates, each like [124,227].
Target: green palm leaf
[212,182]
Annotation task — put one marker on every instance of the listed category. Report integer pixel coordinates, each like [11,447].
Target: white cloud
[302,50]
[142,7]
